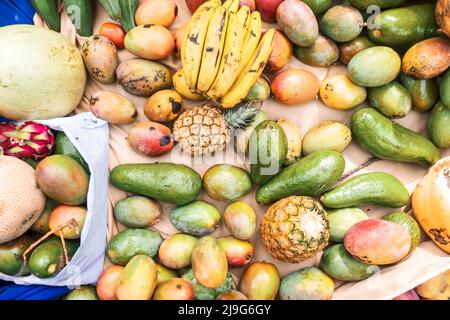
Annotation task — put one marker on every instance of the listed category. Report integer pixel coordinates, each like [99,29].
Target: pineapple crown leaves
[240,117]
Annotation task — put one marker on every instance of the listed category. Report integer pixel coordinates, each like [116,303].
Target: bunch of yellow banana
[223,53]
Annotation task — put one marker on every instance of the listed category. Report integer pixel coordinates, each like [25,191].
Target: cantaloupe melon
[21,200]
[42,74]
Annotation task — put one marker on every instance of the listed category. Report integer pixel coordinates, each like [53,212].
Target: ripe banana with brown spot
[250,74]
[229,66]
[213,49]
[244,19]
[251,38]
[193,43]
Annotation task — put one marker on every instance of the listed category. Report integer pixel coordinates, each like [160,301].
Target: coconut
[42,73]
[21,200]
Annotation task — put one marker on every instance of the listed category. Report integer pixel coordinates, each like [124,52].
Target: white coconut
[42,74]
[21,200]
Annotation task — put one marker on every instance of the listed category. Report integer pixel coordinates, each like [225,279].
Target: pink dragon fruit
[29,140]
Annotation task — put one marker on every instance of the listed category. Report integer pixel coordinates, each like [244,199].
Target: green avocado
[424,92]
[401,28]
[379,188]
[267,149]
[439,125]
[48,258]
[388,140]
[445,89]
[65,147]
[169,182]
[382,4]
[309,176]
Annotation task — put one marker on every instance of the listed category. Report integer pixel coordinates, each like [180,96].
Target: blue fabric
[10,291]
[16,12]
[22,12]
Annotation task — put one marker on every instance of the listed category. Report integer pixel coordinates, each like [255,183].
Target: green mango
[342,23]
[341,220]
[176,251]
[172,183]
[306,284]
[137,212]
[163,274]
[48,258]
[224,182]
[203,293]
[318,6]
[131,242]
[424,92]
[382,4]
[260,91]
[409,223]
[41,224]
[267,151]
[64,146]
[445,89]
[82,293]
[379,188]
[439,125]
[403,27]
[209,262]
[388,140]
[348,49]
[11,262]
[309,176]
[374,66]
[341,265]
[323,53]
[392,99]
[197,218]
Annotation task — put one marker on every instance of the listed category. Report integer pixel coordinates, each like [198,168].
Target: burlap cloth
[427,260]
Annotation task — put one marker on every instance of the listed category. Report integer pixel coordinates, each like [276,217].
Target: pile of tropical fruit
[396,61]
[45,186]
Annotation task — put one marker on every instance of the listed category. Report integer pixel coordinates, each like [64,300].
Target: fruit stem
[70,223]
[360,167]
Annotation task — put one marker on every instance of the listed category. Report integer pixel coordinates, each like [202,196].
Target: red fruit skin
[194,4]
[113,32]
[249,3]
[107,283]
[239,253]
[150,138]
[268,9]
[377,241]
[408,295]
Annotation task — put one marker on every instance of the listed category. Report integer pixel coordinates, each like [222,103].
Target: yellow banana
[231,5]
[251,39]
[229,66]
[192,47]
[243,16]
[250,74]
[212,51]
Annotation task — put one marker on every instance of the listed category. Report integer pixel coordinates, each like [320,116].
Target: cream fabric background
[426,262]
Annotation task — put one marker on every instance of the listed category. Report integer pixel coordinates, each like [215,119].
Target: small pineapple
[295,229]
[206,129]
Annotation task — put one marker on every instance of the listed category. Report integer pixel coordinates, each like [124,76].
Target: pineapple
[205,129]
[295,229]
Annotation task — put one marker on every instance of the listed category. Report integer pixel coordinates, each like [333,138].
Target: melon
[42,74]
[21,200]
